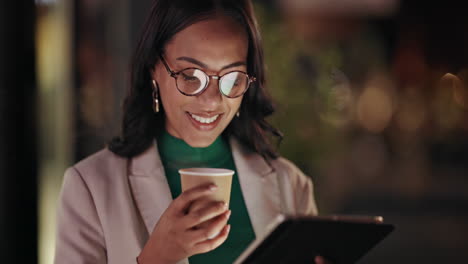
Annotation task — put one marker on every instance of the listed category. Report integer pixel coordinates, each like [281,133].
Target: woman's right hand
[179,233]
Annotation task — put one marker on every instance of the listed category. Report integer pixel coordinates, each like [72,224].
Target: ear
[153,73]
[152,70]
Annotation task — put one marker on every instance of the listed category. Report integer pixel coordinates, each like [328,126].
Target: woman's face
[216,46]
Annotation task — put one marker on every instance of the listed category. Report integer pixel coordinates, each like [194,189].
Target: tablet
[340,239]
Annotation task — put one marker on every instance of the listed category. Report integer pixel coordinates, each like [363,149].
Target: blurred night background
[372,98]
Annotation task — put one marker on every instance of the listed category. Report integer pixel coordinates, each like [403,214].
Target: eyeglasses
[193,81]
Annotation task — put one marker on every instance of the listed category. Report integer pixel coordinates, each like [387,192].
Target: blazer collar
[259,185]
[257,179]
[149,186]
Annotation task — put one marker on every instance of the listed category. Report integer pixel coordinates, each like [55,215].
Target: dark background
[18,147]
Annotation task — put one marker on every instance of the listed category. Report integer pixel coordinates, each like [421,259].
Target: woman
[197,99]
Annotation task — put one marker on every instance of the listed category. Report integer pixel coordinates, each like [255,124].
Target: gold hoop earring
[155,97]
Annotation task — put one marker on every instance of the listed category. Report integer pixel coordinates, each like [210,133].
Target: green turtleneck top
[176,154]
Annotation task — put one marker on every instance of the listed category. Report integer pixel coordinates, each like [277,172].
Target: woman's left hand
[321,260]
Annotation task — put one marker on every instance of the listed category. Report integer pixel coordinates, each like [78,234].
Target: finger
[184,200]
[212,210]
[211,244]
[199,204]
[210,231]
[321,260]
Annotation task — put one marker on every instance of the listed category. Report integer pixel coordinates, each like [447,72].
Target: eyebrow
[203,65]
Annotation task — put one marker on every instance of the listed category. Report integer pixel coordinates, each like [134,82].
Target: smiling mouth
[204,120]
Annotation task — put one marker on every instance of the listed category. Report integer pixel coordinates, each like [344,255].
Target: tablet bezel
[283,223]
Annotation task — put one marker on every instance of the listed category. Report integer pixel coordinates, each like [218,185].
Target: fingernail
[228,214]
[228,228]
[213,187]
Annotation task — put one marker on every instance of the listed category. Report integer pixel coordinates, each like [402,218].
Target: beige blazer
[109,205]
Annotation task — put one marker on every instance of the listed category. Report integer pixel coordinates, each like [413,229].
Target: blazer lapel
[149,186]
[259,187]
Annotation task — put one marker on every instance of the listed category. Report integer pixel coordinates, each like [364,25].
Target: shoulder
[99,166]
[296,184]
[103,160]
[280,165]
[287,168]
[285,165]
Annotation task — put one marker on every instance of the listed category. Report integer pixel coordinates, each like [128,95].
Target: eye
[189,78]
[235,78]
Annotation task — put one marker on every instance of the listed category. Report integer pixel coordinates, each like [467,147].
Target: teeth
[203,119]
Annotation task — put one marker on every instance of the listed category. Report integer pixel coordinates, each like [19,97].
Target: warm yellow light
[375,105]
[53,48]
[447,102]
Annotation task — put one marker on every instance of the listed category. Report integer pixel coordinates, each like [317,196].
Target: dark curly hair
[167,18]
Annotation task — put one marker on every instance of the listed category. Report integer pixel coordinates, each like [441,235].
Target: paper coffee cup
[193,177]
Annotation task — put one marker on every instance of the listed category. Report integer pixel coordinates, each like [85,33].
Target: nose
[211,97]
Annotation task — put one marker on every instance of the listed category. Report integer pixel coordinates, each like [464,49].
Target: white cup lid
[206,171]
